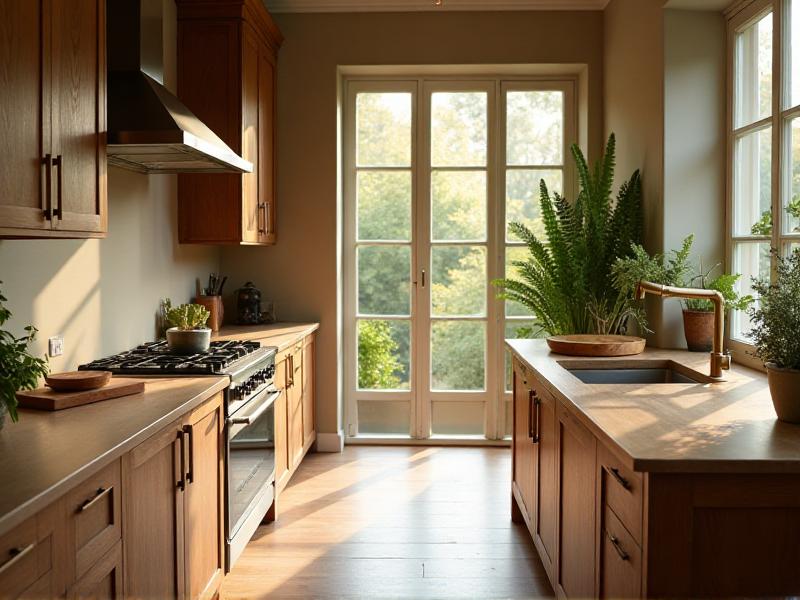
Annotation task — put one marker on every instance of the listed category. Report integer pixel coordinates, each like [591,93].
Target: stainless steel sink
[646,372]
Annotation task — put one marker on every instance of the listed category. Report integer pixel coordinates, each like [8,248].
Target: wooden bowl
[596,345]
[78,380]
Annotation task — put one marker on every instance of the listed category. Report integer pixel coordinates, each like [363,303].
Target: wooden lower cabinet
[104,579]
[524,446]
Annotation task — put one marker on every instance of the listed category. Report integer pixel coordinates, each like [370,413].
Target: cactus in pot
[188,333]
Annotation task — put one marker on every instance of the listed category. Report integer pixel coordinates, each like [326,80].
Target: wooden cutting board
[596,345]
[48,399]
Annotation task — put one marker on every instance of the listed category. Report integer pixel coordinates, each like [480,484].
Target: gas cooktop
[155,358]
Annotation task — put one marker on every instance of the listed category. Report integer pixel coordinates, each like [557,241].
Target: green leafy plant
[764,224]
[186,316]
[19,369]
[725,283]
[776,315]
[378,366]
[566,279]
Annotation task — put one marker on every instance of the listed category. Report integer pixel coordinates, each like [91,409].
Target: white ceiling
[278,6]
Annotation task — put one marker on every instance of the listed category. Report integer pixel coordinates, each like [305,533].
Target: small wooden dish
[596,345]
[78,380]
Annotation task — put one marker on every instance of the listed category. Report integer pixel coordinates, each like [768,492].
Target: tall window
[764,142]
[434,170]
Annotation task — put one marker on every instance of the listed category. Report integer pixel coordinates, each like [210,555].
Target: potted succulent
[698,314]
[188,333]
[776,323]
[19,369]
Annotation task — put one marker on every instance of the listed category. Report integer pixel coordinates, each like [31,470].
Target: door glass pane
[751,259]
[457,418]
[383,129]
[535,128]
[792,67]
[753,184]
[390,417]
[753,74]
[515,329]
[458,129]
[458,281]
[522,197]
[458,355]
[792,205]
[384,280]
[384,362]
[516,254]
[384,205]
[458,205]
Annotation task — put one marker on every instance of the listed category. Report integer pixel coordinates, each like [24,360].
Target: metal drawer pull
[615,542]
[182,481]
[16,556]
[87,504]
[620,479]
[252,418]
[189,431]
[58,162]
[47,188]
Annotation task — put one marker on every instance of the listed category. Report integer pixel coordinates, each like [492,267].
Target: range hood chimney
[149,129]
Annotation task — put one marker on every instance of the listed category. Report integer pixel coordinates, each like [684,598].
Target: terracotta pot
[784,386]
[698,327]
[188,341]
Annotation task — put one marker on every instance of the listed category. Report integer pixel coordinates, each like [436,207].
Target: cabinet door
[295,408]
[308,390]
[154,480]
[78,115]
[281,427]
[620,560]
[24,106]
[546,487]
[524,448]
[103,581]
[266,146]
[576,533]
[203,507]
[251,217]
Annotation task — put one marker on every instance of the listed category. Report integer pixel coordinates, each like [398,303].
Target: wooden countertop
[46,454]
[712,427]
[281,335]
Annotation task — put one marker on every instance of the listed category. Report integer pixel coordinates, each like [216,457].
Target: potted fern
[188,333]
[566,279]
[776,323]
[19,369]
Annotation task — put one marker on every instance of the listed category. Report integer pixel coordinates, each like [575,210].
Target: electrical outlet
[55,345]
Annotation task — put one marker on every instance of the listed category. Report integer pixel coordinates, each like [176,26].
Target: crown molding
[306,6]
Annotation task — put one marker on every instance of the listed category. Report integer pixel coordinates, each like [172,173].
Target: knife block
[213,304]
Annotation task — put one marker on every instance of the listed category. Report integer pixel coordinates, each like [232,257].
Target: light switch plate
[55,345]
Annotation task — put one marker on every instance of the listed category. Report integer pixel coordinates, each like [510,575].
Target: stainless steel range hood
[149,129]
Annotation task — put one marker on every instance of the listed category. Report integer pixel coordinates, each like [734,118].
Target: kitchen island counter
[45,454]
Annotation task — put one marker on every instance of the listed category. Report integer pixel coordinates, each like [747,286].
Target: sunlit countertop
[728,426]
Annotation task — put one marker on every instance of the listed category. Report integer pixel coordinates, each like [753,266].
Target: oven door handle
[252,417]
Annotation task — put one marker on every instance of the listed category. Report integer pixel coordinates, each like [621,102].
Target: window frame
[779,121]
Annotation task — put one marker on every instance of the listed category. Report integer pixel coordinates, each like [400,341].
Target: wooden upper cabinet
[227,55]
[53,129]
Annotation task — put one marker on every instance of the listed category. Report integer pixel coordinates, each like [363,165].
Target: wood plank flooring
[393,522]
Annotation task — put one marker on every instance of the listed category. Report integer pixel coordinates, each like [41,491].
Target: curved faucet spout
[720,359]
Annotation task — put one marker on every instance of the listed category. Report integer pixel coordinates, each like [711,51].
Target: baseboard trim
[330,442]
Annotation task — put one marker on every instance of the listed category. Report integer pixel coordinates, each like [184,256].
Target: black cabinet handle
[533,407]
[182,480]
[620,479]
[189,431]
[615,542]
[16,555]
[47,187]
[58,162]
[87,504]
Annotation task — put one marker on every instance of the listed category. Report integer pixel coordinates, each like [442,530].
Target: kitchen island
[659,489]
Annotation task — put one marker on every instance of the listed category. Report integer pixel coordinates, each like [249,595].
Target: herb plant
[19,369]
[186,316]
[725,283]
[566,279]
[776,315]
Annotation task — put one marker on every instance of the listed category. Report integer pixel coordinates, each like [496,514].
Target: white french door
[425,196]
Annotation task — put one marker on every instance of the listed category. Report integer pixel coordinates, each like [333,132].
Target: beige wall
[102,295]
[694,142]
[300,273]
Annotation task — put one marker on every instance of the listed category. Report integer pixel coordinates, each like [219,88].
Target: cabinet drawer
[622,490]
[103,580]
[23,560]
[621,560]
[94,507]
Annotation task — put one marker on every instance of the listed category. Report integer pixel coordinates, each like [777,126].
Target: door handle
[262,217]
[182,480]
[423,277]
[47,188]
[16,555]
[101,492]
[620,479]
[617,546]
[58,162]
[533,407]
[189,431]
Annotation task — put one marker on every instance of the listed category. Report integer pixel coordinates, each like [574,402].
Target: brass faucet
[720,359]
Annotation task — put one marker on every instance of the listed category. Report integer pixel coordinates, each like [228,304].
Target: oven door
[250,464]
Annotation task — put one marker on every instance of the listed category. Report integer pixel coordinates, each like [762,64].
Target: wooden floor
[394,522]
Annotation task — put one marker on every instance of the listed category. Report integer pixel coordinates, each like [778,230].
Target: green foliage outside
[19,369]
[776,316]
[764,225]
[378,366]
[186,316]
[566,279]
